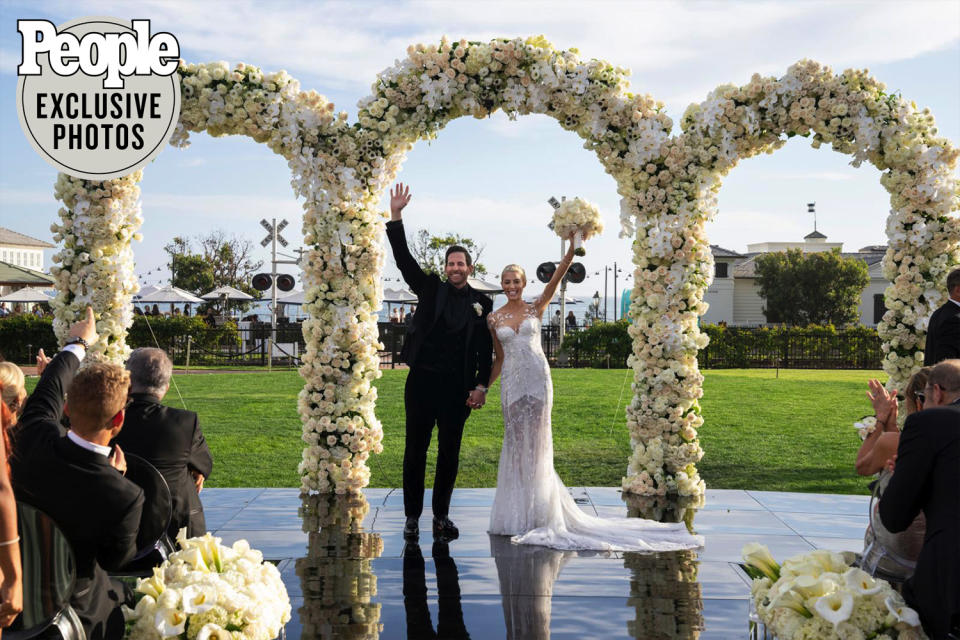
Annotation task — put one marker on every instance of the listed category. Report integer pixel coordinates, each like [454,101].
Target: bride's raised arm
[548,291]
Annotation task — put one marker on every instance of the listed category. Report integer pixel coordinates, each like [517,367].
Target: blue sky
[490,179]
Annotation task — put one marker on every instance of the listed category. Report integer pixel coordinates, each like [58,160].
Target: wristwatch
[480,387]
[77,340]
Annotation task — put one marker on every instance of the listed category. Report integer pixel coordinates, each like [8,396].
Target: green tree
[800,288]
[429,251]
[188,271]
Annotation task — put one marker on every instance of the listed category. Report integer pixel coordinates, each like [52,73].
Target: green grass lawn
[791,432]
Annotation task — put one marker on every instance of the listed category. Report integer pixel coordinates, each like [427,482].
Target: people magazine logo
[98,98]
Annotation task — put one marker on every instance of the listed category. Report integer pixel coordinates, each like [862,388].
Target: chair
[153,543]
[49,574]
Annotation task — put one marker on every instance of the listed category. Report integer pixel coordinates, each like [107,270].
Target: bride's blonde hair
[516,269]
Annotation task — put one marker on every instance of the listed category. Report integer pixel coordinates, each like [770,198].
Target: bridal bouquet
[865,426]
[578,217]
[208,591]
[819,595]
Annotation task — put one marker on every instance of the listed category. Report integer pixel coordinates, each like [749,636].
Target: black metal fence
[607,345]
[761,347]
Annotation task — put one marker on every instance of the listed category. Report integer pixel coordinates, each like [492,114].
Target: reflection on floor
[350,574]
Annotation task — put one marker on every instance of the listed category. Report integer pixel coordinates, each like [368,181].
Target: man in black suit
[77,479]
[927,478]
[450,353]
[170,439]
[943,330]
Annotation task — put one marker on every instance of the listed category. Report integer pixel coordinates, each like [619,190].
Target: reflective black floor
[350,574]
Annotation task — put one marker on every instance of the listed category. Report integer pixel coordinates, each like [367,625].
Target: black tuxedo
[927,478]
[943,335]
[450,623]
[449,354]
[171,440]
[95,506]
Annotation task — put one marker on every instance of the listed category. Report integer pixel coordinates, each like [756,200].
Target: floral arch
[668,187]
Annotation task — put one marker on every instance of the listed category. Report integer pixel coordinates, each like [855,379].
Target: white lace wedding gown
[531,503]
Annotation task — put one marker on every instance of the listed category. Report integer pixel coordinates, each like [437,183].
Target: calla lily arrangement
[819,595]
[210,591]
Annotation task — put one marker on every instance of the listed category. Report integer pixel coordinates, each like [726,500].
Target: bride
[531,503]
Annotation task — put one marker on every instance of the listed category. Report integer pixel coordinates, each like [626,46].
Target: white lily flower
[198,598]
[170,622]
[758,556]
[835,607]
[901,612]
[861,582]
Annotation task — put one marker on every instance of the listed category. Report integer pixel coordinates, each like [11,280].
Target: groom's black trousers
[432,398]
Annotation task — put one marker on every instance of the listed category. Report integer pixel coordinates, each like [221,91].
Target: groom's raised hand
[399,197]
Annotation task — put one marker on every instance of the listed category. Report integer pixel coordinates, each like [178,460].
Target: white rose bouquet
[819,595]
[577,217]
[210,591]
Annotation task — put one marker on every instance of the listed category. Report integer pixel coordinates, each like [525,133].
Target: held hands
[86,328]
[476,399]
[399,198]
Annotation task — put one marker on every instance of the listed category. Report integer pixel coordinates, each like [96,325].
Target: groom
[450,352]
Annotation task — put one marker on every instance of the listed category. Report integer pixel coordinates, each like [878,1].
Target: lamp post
[596,305]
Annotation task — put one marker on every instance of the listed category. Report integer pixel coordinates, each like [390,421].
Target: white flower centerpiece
[819,595]
[578,217]
[208,591]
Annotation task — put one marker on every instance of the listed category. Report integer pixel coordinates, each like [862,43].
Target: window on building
[720,269]
[879,308]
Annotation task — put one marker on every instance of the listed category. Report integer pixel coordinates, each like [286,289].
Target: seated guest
[77,479]
[943,328]
[170,439]
[889,555]
[927,478]
[14,393]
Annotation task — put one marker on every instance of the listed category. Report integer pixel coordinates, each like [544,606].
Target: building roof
[814,235]
[11,274]
[9,236]
[720,252]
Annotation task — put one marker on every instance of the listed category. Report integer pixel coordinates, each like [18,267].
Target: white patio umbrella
[530,297]
[171,294]
[483,286]
[226,292]
[29,294]
[294,297]
[398,296]
[145,291]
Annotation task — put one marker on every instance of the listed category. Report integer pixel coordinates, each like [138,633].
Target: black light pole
[615,301]
[606,269]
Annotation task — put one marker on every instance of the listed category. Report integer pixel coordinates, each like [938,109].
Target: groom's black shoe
[444,529]
[411,530]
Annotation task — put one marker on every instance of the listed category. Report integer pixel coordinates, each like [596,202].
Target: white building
[734,296]
[22,250]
